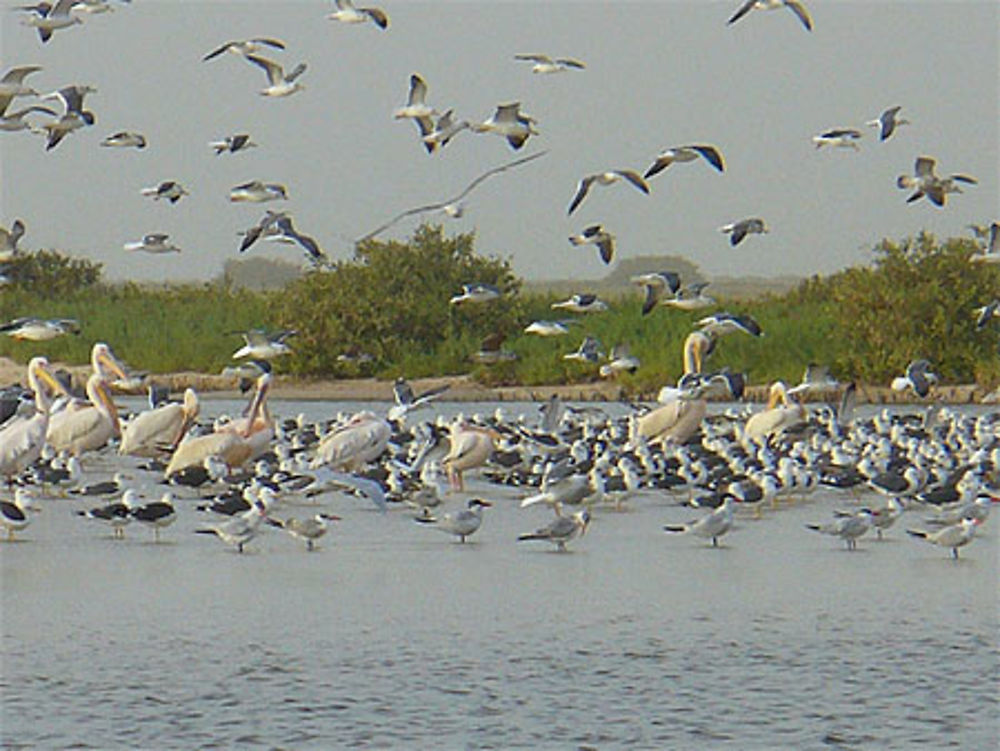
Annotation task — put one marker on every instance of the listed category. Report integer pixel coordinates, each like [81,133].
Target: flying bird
[125,139]
[347,13]
[924,182]
[918,377]
[50,18]
[262,345]
[793,5]
[609,177]
[991,253]
[232,144]
[172,190]
[656,284]
[154,242]
[245,47]
[279,84]
[478,292]
[12,84]
[74,116]
[838,138]
[686,154]
[589,351]
[9,239]
[443,131]
[257,191]
[595,234]
[545,64]
[417,109]
[584,302]
[620,360]
[739,230]
[509,122]
[887,122]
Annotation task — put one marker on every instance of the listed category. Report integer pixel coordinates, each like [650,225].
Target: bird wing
[924,166]
[635,178]
[742,11]
[607,248]
[800,10]
[221,49]
[534,58]
[711,154]
[418,89]
[274,70]
[270,42]
[297,71]
[739,232]
[581,192]
[495,171]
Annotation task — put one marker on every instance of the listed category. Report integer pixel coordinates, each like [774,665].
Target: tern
[712,526]
[596,235]
[793,5]
[687,153]
[310,529]
[239,530]
[847,528]
[463,523]
[952,537]
[279,84]
[545,65]
[347,13]
[609,177]
[154,242]
[561,530]
[739,230]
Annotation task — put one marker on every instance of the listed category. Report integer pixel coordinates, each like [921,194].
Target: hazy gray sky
[658,74]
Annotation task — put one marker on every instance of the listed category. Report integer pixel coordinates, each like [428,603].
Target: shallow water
[391,635]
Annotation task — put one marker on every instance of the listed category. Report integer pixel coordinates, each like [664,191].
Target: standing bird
[114,514]
[739,230]
[471,447]
[887,122]
[561,530]
[463,523]
[847,528]
[160,429]
[278,84]
[310,529]
[22,438]
[351,446]
[347,13]
[509,122]
[952,537]
[610,177]
[687,153]
[712,526]
[239,530]
[156,514]
[596,235]
[14,514]
[793,5]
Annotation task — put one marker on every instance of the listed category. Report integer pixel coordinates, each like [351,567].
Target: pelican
[887,122]
[347,13]
[125,139]
[279,84]
[678,419]
[783,411]
[561,530]
[687,153]
[461,524]
[793,5]
[77,429]
[596,235]
[471,446]
[739,230]
[152,431]
[14,514]
[546,65]
[350,447]
[609,177]
[22,438]
[57,17]
[509,122]
[235,442]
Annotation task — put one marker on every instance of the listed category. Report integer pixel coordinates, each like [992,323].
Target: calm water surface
[391,635]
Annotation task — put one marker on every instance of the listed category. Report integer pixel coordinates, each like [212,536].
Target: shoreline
[464,389]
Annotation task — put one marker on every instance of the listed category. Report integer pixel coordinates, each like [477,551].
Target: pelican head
[105,364]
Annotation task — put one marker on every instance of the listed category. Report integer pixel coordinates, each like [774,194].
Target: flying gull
[609,177]
[125,139]
[545,64]
[347,13]
[232,144]
[793,5]
[838,138]
[245,47]
[509,122]
[172,190]
[279,84]
[687,153]
[887,122]
[155,242]
[739,230]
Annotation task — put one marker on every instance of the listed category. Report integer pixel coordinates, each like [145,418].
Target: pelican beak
[104,395]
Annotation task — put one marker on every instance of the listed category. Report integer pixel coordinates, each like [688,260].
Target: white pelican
[351,446]
[461,524]
[509,122]
[609,177]
[561,530]
[679,418]
[347,13]
[80,429]
[22,438]
[278,84]
[151,432]
[471,446]
[14,514]
[236,442]
[783,411]
[793,5]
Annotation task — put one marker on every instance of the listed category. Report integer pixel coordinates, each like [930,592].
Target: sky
[658,74]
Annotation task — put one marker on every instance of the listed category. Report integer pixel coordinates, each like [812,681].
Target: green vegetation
[391,301]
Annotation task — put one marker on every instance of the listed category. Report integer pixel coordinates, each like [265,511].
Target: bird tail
[425,519]
[815,527]
[532,500]
[530,536]
[917,533]
[204,531]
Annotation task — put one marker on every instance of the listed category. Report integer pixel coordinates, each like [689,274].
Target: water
[391,635]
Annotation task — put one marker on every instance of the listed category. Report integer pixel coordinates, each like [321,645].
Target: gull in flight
[347,13]
[39,329]
[925,182]
[407,401]
[620,360]
[155,242]
[657,283]
[609,177]
[277,226]
[793,5]
[12,84]
[838,137]
[125,139]
[49,18]
[918,377]
[686,154]
[279,84]
[172,190]
[991,253]
[444,130]
[478,292]
[720,324]
[260,345]
[584,302]
[257,191]
[232,144]
[545,64]
[245,47]
[14,121]
[9,239]
[596,235]
[73,118]
[887,122]
[417,109]
[589,351]
[451,206]
[461,524]
[509,122]
[739,230]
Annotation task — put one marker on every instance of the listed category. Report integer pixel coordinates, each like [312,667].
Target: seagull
[14,514]
[56,17]
[619,361]
[39,329]
[156,514]
[232,144]
[609,177]
[172,190]
[347,13]
[991,253]
[443,131]
[310,529]
[847,528]
[719,324]
[245,47]
[686,154]
[256,191]
[508,121]
[491,351]
[588,351]
[596,234]
[887,122]
[477,292]
[925,182]
[114,514]
[739,230]
[406,401]
[548,328]
[12,84]
[713,526]
[656,284]
[452,205]
[918,377]
[793,5]
[839,138]
[277,226]
[278,83]
[561,530]
[952,537]
[74,117]
[11,122]
[691,297]
[986,313]
[9,239]
[461,524]
[545,64]
[125,139]
[815,378]
[154,242]
[261,345]
[581,303]
[417,109]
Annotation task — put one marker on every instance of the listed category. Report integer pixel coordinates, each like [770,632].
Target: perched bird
[596,235]
[581,303]
[509,122]
[711,526]
[545,64]
[347,13]
[279,84]
[561,530]
[954,537]
[39,329]
[687,153]
[257,191]
[838,138]
[887,122]
[924,182]
[793,5]
[232,144]
[847,528]
[245,47]
[154,242]
[9,239]
[115,514]
[55,17]
[656,284]
[477,292]
[310,529]
[172,190]
[14,513]
[739,230]
[261,345]
[124,139]
[918,377]
[463,523]
[610,177]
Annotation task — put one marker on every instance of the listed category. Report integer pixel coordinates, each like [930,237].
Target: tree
[49,274]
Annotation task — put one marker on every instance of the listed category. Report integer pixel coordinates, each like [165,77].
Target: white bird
[470,447]
[125,139]
[443,131]
[12,84]
[656,284]
[22,438]
[722,323]
[620,360]
[417,109]
[793,5]
[152,432]
[887,122]
[88,427]
[232,144]
[783,412]
[347,13]
[9,239]
[154,242]
[74,117]
[257,191]
[838,138]
[11,122]
[39,329]
[847,528]
[463,523]
[925,182]
[279,84]
[588,351]
[172,190]
[687,153]
[239,530]
[918,377]
[596,235]
[561,530]
[509,122]
[739,230]
[245,47]
[351,446]
[609,177]
[57,17]
[14,514]
[310,529]
[548,328]
[711,526]
[407,401]
[991,253]
[477,292]
[584,302]
[546,65]
[261,345]
[952,537]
